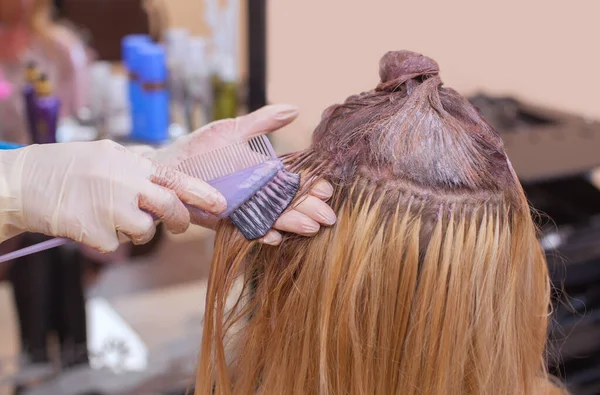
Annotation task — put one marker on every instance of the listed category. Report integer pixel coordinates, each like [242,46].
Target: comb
[252,179]
[248,174]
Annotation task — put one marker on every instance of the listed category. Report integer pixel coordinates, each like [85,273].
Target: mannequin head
[431,282]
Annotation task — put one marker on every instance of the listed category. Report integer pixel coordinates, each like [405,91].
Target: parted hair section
[431,282]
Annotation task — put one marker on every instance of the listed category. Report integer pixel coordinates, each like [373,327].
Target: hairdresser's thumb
[190,190]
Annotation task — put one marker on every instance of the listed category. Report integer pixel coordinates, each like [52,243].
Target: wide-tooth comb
[251,178]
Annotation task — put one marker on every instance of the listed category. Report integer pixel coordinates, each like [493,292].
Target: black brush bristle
[255,217]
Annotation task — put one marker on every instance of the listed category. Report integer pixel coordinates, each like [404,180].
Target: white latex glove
[90,192]
[304,219]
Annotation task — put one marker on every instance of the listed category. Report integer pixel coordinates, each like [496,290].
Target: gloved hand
[90,192]
[304,219]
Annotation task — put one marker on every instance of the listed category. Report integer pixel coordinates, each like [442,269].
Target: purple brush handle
[39,247]
[43,246]
[238,187]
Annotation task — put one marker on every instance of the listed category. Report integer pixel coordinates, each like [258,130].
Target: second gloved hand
[305,218]
[90,192]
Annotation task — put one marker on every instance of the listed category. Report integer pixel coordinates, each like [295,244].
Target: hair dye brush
[253,181]
[248,174]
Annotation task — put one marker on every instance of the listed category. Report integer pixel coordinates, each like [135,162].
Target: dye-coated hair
[431,282]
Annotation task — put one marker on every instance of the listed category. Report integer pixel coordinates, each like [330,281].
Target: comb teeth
[252,180]
[255,217]
[228,160]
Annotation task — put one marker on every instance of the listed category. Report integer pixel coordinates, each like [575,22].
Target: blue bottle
[130,52]
[153,76]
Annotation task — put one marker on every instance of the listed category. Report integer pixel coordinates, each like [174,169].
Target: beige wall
[321,51]
[188,14]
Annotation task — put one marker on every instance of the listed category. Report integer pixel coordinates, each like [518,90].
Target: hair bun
[397,67]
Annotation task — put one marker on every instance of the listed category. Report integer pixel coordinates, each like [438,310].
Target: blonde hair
[431,282]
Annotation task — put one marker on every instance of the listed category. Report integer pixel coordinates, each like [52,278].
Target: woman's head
[431,282]
[412,129]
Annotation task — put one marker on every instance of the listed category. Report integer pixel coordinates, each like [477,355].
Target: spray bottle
[32,74]
[177,54]
[118,118]
[198,80]
[100,73]
[47,109]
[225,27]
[153,78]
[130,48]
[225,103]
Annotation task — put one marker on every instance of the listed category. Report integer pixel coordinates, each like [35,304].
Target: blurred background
[147,71]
